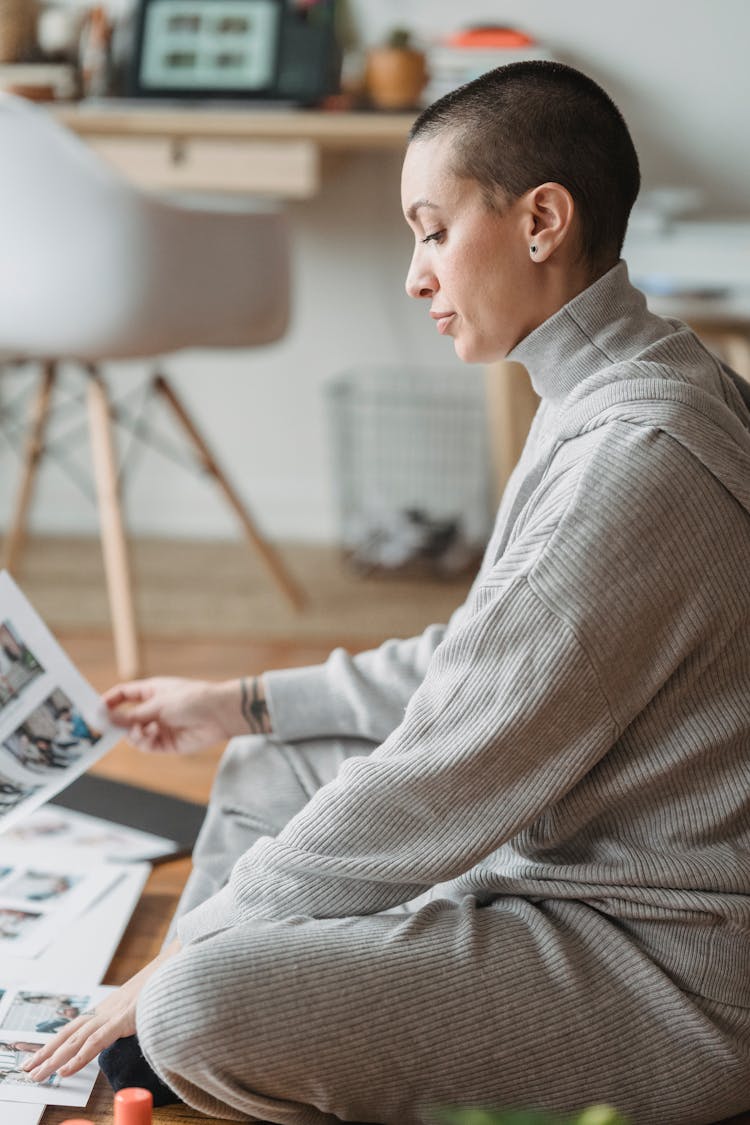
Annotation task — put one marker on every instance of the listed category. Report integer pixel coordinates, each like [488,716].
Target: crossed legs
[382,1018]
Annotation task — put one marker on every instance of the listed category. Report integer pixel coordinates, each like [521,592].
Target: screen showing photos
[210,44]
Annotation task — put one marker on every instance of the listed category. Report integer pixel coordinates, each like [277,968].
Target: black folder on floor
[134,807]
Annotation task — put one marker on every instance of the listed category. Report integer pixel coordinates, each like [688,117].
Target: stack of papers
[63,904]
[463,56]
[23,1011]
[55,908]
[41,892]
[89,835]
[61,920]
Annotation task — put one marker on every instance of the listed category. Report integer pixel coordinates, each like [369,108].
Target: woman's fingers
[72,1048]
[84,1037]
[141,701]
[90,1047]
[134,692]
[159,738]
[138,712]
[151,738]
[76,1045]
[62,1035]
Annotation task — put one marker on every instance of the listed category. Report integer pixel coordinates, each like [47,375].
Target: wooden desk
[276,152]
[698,270]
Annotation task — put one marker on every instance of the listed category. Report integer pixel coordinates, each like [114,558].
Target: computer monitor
[234,49]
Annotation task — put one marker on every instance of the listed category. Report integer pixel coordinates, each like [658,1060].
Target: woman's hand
[179,716]
[83,1038]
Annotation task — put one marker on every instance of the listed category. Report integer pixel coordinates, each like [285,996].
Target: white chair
[92,269]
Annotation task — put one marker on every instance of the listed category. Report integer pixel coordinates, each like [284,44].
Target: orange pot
[395,77]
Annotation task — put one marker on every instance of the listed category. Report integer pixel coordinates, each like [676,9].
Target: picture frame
[207,49]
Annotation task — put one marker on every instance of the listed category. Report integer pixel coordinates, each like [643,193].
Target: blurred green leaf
[594,1115]
[600,1115]
[497,1117]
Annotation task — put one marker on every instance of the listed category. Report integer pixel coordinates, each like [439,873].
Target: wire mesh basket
[410,457]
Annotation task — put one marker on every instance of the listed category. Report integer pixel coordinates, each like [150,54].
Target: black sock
[124,1065]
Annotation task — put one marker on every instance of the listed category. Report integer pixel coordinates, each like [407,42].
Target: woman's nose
[420,281]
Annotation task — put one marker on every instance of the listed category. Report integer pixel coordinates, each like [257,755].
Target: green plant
[399,39]
[594,1115]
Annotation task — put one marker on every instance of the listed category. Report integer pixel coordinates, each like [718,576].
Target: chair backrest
[92,268]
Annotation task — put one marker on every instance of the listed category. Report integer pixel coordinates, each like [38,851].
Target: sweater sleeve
[509,716]
[362,696]
[593,606]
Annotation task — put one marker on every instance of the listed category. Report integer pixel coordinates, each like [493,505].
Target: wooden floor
[186,777]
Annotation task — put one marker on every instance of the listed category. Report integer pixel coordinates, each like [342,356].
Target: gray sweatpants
[382,1018]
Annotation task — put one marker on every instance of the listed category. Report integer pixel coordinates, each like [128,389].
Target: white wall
[677,68]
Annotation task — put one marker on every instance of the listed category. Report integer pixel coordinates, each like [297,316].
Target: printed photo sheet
[29,1017]
[89,835]
[42,891]
[22,1113]
[53,725]
[83,953]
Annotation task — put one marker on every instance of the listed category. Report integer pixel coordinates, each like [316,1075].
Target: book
[58,78]
[167,826]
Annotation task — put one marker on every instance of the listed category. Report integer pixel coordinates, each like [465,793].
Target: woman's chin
[471,351]
[466,350]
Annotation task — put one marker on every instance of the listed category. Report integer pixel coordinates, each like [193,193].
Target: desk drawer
[283,169]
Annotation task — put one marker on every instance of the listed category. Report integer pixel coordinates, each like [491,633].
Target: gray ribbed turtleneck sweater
[581,727]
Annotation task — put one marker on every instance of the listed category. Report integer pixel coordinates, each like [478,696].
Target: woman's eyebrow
[416,205]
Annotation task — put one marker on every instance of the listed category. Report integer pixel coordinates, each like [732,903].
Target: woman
[527,879]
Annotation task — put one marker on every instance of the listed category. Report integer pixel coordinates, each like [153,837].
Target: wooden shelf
[334,131]
[272,152]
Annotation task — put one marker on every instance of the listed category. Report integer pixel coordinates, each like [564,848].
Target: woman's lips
[443,322]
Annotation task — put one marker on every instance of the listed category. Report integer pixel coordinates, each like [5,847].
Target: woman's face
[471,263]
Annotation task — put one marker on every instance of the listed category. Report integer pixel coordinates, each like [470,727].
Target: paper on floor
[29,1017]
[91,835]
[22,1113]
[84,951]
[42,891]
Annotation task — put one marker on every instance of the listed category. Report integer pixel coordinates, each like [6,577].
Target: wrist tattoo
[254,707]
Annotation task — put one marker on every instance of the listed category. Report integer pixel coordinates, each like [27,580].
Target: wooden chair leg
[269,555]
[737,350]
[114,544]
[511,405]
[32,456]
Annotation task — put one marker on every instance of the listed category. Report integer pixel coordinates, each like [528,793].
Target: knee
[175,1016]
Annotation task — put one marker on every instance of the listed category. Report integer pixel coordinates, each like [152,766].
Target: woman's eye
[436,237]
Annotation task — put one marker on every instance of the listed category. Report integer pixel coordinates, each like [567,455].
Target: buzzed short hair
[530,123]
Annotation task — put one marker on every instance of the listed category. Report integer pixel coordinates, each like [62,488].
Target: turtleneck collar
[604,324]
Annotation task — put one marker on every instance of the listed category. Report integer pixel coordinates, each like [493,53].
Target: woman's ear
[550,212]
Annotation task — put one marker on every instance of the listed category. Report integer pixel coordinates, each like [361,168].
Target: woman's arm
[590,611]
[362,696]
[171,714]
[510,716]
